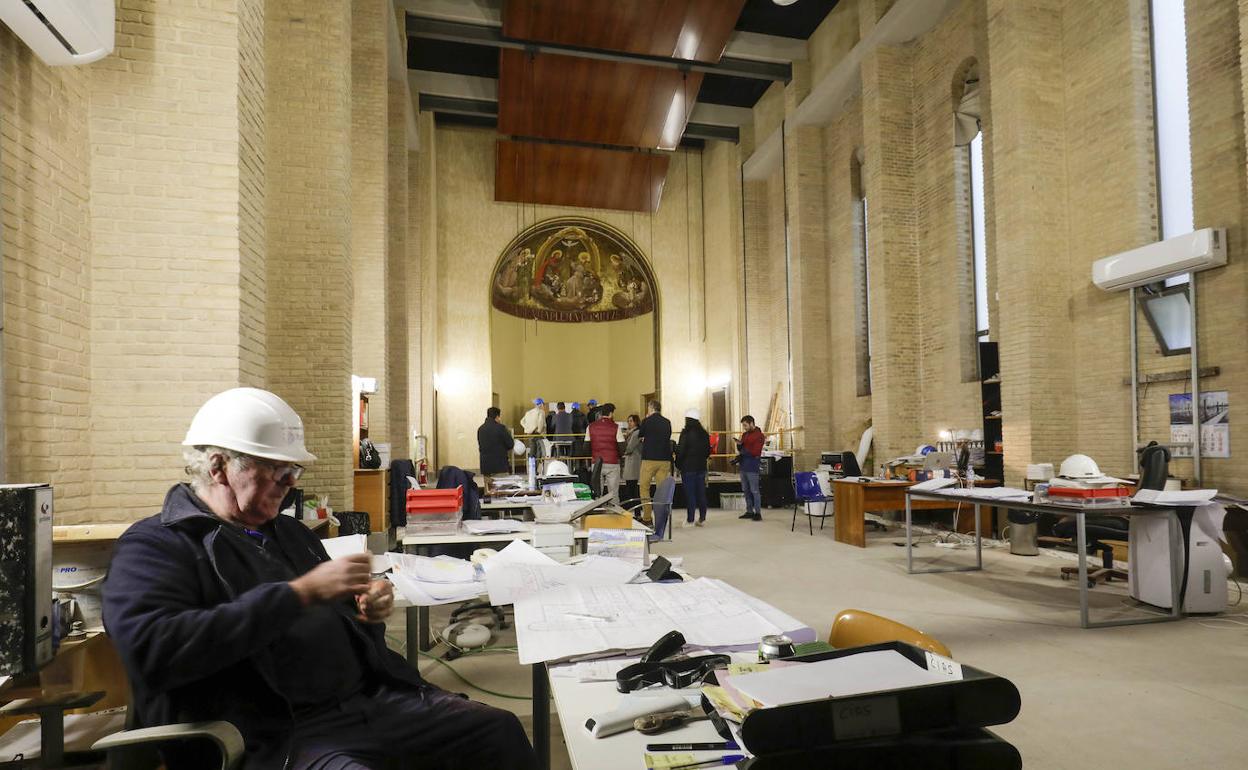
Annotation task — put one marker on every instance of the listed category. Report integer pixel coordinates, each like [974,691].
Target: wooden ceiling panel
[694,30]
[588,177]
[574,99]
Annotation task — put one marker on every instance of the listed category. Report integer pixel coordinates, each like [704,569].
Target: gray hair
[199,463]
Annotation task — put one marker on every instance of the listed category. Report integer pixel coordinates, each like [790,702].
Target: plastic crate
[435,500]
[434,511]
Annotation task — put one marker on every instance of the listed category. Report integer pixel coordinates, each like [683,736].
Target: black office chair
[1154,469]
[595,478]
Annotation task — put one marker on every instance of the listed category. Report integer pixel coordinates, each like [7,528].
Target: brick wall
[309,337]
[44,185]
[167,280]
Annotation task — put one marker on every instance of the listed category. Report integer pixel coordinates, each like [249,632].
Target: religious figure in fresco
[560,270]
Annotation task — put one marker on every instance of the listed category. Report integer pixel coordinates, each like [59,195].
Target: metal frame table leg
[979,553]
[541,715]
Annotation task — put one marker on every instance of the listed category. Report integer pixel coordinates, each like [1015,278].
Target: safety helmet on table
[518,448]
[1079,467]
[693,414]
[557,468]
[252,421]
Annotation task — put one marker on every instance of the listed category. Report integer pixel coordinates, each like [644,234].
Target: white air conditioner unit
[1199,250]
[62,31]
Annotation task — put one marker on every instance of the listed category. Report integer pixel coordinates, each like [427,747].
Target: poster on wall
[1215,424]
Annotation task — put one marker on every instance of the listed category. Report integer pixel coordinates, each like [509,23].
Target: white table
[1177,548]
[576,701]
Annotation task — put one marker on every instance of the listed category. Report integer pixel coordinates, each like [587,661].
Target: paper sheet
[850,675]
[554,625]
[511,582]
[432,570]
[494,526]
[1185,497]
[345,546]
[937,483]
[424,594]
[992,493]
[517,552]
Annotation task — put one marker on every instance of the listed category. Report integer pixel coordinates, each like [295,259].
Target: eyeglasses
[282,473]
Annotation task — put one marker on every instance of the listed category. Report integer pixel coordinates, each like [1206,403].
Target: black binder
[976,749]
[25,578]
[950,711]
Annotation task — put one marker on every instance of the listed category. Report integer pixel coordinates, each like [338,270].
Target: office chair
[595,478]
[806,491]
[855,628]
[661,506]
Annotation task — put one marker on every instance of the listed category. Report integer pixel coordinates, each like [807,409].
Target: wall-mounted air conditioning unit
[62,31]
[1199,250]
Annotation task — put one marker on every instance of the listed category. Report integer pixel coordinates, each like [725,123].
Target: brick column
[308,45]
[1030,208]
[888,143]
[369,232]
[177,240]
[808,262]
[397,310]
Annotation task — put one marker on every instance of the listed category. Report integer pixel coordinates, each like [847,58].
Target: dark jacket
[694,448]
[195,610]
[494,444]
[751,448]
[656,438]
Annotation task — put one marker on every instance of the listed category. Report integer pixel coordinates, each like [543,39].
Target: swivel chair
[661,506]
[855,628]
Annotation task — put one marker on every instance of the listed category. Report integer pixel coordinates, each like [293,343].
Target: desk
[1080,514]
[575,701]
[852,499]
[418,638]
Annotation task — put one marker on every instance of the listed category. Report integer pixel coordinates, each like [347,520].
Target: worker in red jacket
[604,440]
[750,452]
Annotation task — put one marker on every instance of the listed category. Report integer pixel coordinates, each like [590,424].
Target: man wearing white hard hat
[222,609]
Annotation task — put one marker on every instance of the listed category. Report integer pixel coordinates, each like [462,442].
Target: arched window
[862,274]
[968,138]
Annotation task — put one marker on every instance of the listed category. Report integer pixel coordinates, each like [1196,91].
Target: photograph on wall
[1215,424]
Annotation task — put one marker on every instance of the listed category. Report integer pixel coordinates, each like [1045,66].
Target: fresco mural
[572,270]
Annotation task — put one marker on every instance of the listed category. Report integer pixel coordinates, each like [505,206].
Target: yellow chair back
[855,628]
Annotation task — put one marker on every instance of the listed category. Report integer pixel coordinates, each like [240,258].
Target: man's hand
[333,580]
[377,604]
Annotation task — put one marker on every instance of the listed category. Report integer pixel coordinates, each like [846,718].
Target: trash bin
[1023,533]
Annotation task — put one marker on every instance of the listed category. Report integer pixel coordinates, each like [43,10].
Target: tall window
[862,275]
[1174,142]
[969,139]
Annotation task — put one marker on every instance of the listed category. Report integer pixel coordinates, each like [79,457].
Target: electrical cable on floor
[471,684]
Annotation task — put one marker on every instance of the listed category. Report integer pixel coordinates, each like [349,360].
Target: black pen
[711,746]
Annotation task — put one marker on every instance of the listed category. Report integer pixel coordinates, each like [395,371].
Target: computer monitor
[937,461]
[25,578]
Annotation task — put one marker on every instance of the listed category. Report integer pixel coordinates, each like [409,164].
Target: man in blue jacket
[222,609]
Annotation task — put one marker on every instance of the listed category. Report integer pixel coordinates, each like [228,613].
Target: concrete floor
[1156,696]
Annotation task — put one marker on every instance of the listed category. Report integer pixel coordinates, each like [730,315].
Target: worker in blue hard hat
[534,420]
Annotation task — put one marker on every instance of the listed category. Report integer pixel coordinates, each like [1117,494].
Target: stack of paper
[520,571]
[579,620]
[346,545]
[425,581]
[992,493]
[849,675]
[494,526]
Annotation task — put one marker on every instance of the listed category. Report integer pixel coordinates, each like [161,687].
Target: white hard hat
[693,414]
[1079,467]
[252,421]
[518,448]
[557,468]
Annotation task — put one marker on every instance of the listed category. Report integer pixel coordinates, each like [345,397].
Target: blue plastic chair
[806,491]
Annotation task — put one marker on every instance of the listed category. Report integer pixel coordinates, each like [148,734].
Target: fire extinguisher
[422,473]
